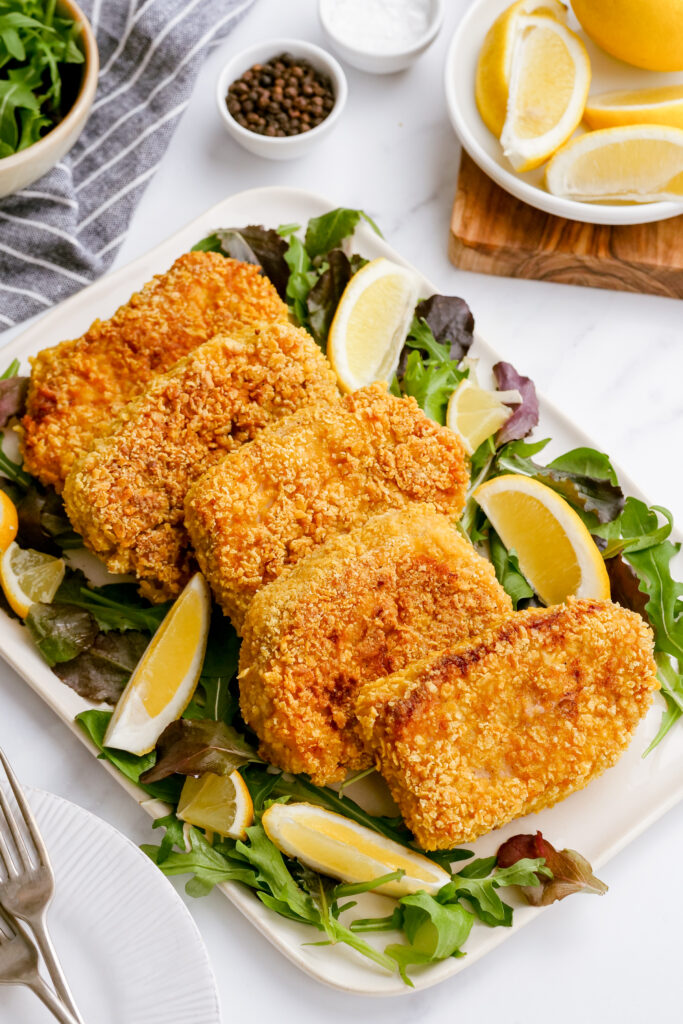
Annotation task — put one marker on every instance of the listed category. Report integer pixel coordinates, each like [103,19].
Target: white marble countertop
[611,361]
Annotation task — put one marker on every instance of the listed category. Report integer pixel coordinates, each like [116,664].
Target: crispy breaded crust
[78,387]
[314,475]
[126,495]
[364,604]
[531,711]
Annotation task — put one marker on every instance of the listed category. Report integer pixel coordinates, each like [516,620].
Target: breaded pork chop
[362,605]
[126,495]
[314,475]
[78,387]
[512,722]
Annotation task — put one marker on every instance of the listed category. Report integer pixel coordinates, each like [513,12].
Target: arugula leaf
[12,470]
[328,231]
[639,528]
[272,875]
[584,477]
[480,892]
[191,747]
[115,606]
[665,605]
[11,371]
[37,84]
[94,724]
[302,275]
[508,573]
[671,689]
[208,866]
[434,931]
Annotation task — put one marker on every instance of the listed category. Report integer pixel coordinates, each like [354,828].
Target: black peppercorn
[284,96]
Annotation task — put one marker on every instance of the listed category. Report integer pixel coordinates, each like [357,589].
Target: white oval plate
[129,947]
[599,821]
[485,149]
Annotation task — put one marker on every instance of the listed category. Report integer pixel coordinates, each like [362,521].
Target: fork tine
[6,857]
[19,840]
[26,812]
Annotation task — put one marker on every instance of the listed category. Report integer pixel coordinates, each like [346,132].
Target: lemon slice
[371,323]
[495,58]
[556,552]
[638,163]
[549,79]
[219,803]
[29,576]
[638,106]
[333,845]
[475,413]
[9,521]
[166,676]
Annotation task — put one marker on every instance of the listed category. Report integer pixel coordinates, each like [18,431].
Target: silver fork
[19,966]
[27,884]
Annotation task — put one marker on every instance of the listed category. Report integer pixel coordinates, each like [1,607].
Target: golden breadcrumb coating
[314,475]
[126,495]
[78,387]
[362,605]
[512,722]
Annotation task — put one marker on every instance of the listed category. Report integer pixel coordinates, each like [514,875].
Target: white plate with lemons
[128,945]
[594,73]
[599,820]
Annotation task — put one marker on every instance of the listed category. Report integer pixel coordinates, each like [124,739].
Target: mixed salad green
[39,70]
[94,636]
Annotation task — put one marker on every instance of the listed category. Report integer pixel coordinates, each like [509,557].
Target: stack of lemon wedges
[532,84]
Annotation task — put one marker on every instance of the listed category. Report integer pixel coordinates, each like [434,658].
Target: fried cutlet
[362,605]
[78,387]
[316,474]
[507,724]
[126,495]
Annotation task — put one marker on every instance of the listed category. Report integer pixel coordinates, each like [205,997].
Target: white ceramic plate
[599,821]
[485,149]
[128,945]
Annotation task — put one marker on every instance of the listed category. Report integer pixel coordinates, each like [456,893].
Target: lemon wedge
[166,676]
[475,413]
[556,552]
[219,803]
[647,33]
[371,323]
[495,58]
[638,163]
[549,80]
[9,521]
[29,576]
[336,846]
[638,106]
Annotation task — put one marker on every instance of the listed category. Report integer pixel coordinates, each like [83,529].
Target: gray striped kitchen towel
[63,231]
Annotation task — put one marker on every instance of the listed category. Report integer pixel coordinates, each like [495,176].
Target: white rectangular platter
[599,821]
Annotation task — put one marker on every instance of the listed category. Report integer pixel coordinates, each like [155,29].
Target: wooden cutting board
[494,233]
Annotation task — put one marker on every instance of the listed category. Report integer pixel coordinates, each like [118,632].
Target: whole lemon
[647,33]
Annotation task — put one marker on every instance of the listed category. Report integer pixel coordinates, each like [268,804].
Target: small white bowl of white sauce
[380,36]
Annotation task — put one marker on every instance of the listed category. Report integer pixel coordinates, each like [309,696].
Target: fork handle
[44,943]
[47,996]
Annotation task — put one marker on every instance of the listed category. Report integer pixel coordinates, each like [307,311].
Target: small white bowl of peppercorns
[278,98]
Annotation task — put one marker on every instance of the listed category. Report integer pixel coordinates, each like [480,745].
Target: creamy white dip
[378,26]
